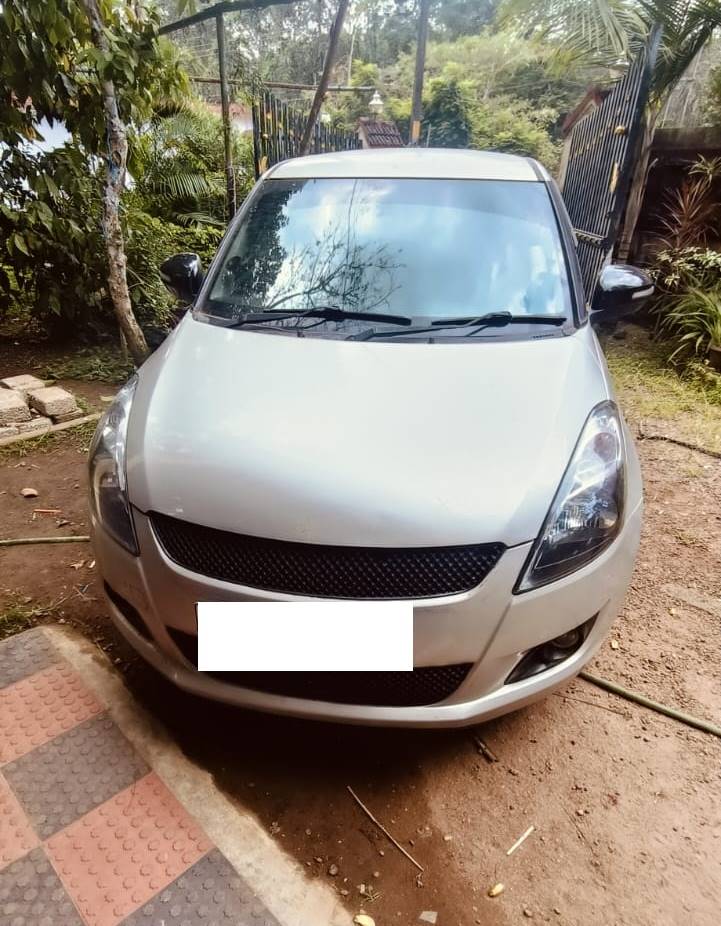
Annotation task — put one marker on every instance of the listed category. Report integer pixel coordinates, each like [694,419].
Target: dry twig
[520,840]
[382,828]
[613,710]
[484,750]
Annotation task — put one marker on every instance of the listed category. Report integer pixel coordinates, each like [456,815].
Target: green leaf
[52,187]
[20,244]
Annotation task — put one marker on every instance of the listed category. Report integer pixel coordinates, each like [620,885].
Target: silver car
[387,387]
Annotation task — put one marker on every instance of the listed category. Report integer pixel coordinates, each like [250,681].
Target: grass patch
[649,388]
[78,436]
[91,364]
[19,615]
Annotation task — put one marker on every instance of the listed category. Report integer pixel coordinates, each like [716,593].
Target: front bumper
[487,626]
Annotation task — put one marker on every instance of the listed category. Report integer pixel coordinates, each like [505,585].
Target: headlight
[108,495]
[587,511]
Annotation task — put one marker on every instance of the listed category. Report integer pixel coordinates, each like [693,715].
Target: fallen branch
[382,828]
[22,541]
[716,454]
[63,426]
[704,725]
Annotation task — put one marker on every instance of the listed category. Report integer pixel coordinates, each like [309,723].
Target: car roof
[421,163]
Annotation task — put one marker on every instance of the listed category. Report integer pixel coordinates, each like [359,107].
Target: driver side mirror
[621,289]
[183,276]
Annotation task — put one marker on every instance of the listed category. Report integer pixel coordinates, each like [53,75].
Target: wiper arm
[490,320]
[501,318]
[326,312]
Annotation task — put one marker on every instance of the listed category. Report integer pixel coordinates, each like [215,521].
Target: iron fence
[603,147]
[278,129]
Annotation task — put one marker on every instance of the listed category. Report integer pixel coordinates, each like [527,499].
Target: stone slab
[39,424]
[52,400]
[13,407]
[23,383]
[7,431]
[68,416]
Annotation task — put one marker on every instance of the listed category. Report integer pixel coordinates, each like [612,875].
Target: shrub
[694,319]
[677,271]
[52,257]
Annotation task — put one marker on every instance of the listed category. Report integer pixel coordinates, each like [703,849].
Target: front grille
[321,571]
[424,685]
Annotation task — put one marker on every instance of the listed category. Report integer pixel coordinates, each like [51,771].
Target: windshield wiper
[489,320]
[326,312]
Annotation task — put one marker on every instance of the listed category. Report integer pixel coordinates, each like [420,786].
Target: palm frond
[198,218]
[185,185]
[609,32]
[602,32]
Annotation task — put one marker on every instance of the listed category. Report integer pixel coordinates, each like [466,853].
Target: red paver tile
[40,707]
[121,854]
[16,834]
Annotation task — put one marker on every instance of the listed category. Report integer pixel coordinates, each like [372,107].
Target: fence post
[225,106]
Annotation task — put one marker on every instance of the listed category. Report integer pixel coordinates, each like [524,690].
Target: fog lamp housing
[551,653]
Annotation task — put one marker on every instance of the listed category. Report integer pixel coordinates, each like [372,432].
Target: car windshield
[428,248]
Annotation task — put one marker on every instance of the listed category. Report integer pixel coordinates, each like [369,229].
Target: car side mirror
[183,276]
[621,289]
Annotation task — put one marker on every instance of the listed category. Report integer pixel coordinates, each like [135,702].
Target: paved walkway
[89,832]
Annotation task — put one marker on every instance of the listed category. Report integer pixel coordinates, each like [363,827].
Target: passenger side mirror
[621,289]
[183,276]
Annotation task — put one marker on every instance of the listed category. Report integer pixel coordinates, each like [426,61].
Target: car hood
[359,443]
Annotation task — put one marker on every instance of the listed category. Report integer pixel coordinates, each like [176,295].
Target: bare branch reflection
[333,268]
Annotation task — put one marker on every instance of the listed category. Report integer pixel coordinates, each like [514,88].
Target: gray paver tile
[24,654]
[210,891]
[65,778]
[31,894]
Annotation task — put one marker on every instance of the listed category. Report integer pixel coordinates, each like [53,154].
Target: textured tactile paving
[24,654]
[210,893]
[16,833]
[115,858]
[62,780]
[31,895]
[36,709]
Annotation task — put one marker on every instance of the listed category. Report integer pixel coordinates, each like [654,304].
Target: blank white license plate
[305,636]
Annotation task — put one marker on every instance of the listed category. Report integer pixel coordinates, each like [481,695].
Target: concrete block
[13,407]
[38,425]
[59,419]
[23,383]
[52,400]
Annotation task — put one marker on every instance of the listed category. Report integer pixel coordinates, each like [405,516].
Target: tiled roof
[377,134]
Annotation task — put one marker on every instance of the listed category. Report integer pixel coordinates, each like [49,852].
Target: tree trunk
[350,55]
[417,97]
[638,183]
[322,88]
[117,152]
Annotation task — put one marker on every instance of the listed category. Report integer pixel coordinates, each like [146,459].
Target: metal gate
[278,129]
[600,162]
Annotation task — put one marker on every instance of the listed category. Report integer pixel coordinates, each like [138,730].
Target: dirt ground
[626,804]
